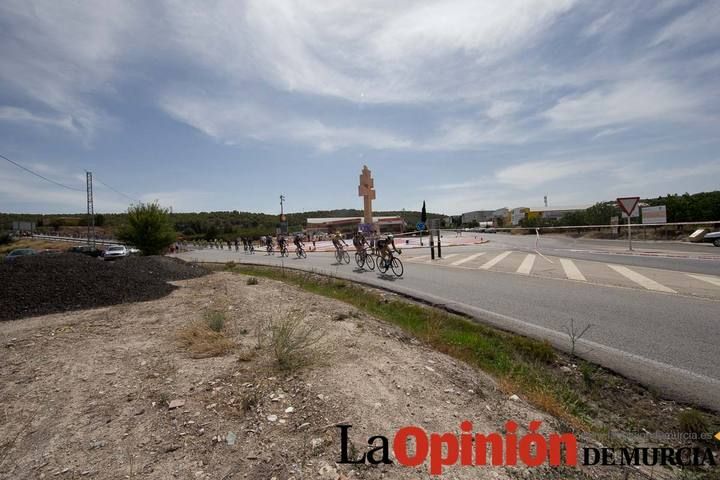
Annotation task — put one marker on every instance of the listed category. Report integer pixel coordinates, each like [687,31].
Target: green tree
[148,228]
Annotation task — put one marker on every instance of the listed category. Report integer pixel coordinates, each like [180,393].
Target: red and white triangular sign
[628,204]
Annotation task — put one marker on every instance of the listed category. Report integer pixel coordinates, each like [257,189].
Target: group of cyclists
[379,251]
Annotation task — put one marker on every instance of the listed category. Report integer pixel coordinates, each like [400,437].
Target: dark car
[713,238]
[86,250]
[19,252]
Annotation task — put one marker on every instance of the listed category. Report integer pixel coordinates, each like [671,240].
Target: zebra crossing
[587,271]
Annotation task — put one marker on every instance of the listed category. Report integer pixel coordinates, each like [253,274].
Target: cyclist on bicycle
[298,242]
[385,246]
[337,240]
[268,242]
[282,242]
[359,241]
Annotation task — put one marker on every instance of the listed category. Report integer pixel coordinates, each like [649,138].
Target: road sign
[420,226]
[366,228]
[654,214]
[628,204]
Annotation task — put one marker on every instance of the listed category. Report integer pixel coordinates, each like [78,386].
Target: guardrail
[57,238]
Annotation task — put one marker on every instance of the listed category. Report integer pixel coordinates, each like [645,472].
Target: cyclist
[269,243]
[359,241]
[282,242]
[337,240]
[298,242]
[384,246]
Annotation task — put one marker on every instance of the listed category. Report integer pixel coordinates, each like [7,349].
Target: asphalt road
[667,341]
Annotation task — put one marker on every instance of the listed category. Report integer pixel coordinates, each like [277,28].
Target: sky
[467,105]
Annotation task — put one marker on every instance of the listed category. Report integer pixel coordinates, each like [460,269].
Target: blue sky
[468,105]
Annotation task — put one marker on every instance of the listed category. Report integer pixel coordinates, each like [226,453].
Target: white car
[115,251]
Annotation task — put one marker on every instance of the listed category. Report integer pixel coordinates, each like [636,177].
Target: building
[546,213]
[486,217]
[319,226]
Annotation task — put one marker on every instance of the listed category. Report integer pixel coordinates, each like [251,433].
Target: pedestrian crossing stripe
[571,271]
[641,280]
[704,278]
[452,255]
[467,259]
[526,266]
[494,261]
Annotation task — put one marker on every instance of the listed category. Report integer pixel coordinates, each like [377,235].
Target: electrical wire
[116,191]
[40,176]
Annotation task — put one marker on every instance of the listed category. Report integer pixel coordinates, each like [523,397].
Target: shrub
[252,281]
[293,341]
[148,228]
[215,320]
[692,421]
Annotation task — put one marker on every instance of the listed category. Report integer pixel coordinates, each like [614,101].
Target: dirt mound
[39,285]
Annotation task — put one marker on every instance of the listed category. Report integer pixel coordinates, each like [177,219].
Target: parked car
[19,252]
[114,252]
[713,237]
[133,251]
[86,250]
[491,230]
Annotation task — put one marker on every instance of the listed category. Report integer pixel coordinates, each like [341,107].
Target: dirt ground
[86,394]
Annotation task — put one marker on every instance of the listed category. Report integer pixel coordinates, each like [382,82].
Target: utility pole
[283,224]
[90,210]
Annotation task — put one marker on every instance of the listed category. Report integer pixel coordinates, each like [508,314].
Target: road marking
[419,257]
[467,259]
[641,280]
[491,263]
[571,271]
[527,264]
[443,258]
[712,280]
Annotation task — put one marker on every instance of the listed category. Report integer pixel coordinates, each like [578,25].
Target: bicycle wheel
[397,267]
[302,253]
[359,260]
[381,264]
[369,261]
[346,256]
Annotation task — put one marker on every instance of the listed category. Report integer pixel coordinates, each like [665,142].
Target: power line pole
[90,209]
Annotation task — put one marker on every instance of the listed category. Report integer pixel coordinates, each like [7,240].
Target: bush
[692,421]
[252,281]
[148,228]
[293,341]
[215,321]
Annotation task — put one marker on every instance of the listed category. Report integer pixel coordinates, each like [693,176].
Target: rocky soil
[109,393]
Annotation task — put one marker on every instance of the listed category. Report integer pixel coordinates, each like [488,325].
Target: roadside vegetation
[148,228]
[584,396]
[207,337]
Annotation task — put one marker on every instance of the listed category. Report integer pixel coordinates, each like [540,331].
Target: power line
[40,176]
[117,191]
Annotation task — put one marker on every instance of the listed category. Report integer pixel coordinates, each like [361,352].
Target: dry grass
[206,338]
[294,341]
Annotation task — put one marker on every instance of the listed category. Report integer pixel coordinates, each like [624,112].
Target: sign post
[628,205]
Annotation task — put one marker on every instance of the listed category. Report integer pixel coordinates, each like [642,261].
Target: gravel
[43,284]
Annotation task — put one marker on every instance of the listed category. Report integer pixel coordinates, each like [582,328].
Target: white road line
[492,262]
[467,259]
[712,280]
[641,280]
[418,258]
[571,271]
[526,266]
[443,258]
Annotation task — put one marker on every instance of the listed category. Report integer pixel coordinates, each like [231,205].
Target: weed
[252,281]
[575,334]
[587,371]
[292,339]
[692,421]
[215,320]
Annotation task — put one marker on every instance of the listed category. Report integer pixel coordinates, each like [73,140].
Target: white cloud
[20,115]
[700,23]
[530,174]
[623,103]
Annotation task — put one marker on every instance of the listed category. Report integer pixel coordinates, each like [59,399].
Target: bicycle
[283,251]
[362,258]
[341,255]
[393,263]
[270,250]
[300,252]
[251,249]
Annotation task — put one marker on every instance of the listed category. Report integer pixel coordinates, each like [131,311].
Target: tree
[148,228]
[423,214]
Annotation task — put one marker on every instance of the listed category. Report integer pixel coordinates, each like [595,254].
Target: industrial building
[319,226]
